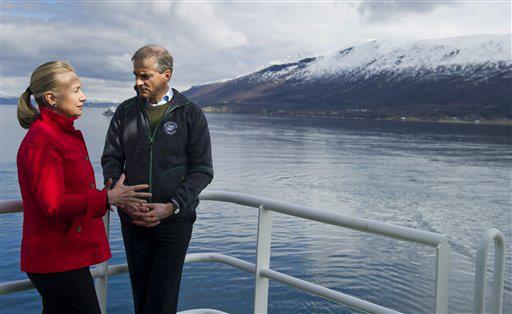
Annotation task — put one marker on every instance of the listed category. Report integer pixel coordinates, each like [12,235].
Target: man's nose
[138,82]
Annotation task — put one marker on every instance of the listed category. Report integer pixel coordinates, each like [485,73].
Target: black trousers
[67,292]
[155,261]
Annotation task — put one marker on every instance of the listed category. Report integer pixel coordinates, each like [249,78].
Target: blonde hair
[42,80]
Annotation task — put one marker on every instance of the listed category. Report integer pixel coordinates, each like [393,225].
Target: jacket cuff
[96,203]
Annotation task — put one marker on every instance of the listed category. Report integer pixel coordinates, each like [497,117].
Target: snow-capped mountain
[463,76]
[375,57]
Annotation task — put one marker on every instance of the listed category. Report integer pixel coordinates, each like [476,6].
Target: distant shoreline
[503,122]
[447,120]
[500,122]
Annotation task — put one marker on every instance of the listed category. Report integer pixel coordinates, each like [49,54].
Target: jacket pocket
[169,182]
[80,236]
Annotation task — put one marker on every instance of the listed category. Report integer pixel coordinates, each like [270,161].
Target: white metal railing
[481,271]
[263,273]
[266,206]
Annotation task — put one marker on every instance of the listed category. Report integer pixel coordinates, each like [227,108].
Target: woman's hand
[122,194]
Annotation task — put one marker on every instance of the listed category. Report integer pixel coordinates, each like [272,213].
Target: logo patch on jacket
[170,127]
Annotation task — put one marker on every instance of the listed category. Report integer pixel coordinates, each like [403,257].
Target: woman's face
[71,98]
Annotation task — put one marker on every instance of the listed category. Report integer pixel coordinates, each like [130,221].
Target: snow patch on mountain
[453,54]
[470,56]
[375,57]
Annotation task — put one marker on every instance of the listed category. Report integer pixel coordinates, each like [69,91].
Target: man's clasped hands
[131,202]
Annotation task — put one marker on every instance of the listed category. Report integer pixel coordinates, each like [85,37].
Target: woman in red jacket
[63,231]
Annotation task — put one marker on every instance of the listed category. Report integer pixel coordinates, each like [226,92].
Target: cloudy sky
[214,40]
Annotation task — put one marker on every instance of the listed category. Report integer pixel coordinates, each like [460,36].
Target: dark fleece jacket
[175,160]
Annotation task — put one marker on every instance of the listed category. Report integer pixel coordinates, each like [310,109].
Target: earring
[54,106]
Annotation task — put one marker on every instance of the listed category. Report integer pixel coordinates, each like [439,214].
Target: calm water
[451,179]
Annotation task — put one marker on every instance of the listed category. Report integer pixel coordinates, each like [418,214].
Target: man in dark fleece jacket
[160,138]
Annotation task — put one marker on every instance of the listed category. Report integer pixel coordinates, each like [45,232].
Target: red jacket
[62,209]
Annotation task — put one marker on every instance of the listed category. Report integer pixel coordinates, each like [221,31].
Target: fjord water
[445,178]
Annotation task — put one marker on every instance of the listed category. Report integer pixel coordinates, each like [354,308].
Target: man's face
[150,83]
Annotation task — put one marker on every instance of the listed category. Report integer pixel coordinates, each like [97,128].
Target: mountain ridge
[461,77]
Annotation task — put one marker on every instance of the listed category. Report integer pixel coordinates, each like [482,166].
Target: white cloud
[204,27]
[15,85]
[107,90]
[374,11]
[94,89]
[214,40]
[118,63]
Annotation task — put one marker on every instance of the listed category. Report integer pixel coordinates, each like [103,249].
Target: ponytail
[43,79]
[26,113]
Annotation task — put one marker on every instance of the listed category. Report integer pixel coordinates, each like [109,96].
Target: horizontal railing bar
[15,286]
[324,216]
[113,270]
[221,258]
[26,284]
[312,288]
[326,293]
[328,217]
[11,206]
[118,269]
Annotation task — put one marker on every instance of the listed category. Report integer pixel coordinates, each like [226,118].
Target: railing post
[262,260]
[481,271]
[442,276]
[100,283]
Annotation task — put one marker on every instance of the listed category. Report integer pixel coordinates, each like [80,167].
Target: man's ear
[168,75]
